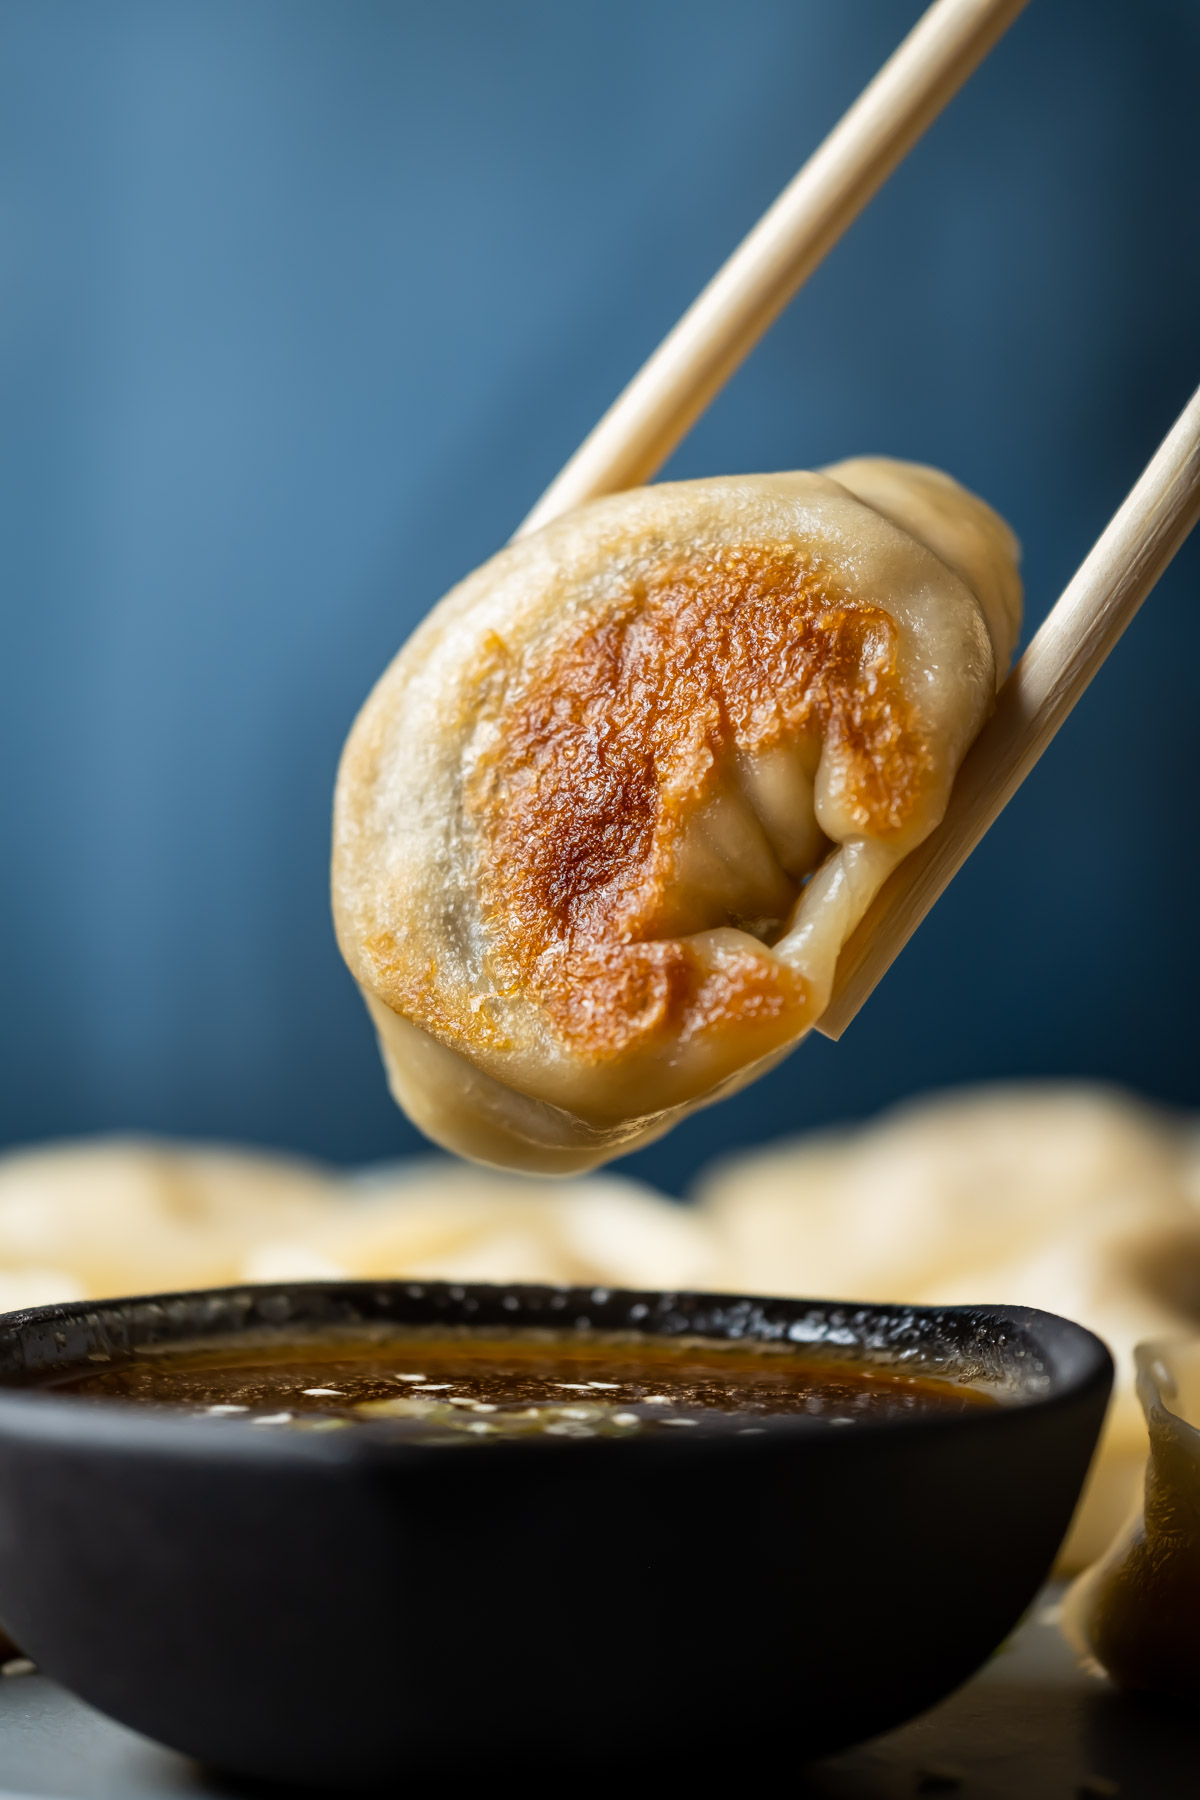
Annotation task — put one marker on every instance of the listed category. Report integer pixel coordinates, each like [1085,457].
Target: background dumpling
[605,823]
[101,1217]
[1137,1612]
[434,1219]
[1078,1200]
[107,1216]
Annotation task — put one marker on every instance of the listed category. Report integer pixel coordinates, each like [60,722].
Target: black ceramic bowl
[346,1608]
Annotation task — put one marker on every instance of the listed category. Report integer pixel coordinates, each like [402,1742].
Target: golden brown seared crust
[607,747]
[576,821]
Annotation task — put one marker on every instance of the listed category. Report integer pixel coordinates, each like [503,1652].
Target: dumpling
[605,823]
[105,1216]
[435,1219]
[1078,1200]
[1138,1611]
[94,1218]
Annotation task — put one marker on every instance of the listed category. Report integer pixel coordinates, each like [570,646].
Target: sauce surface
[454,1386]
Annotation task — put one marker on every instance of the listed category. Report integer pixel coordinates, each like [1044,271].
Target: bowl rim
[1069,1357]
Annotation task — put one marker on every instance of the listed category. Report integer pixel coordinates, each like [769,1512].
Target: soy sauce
[488,1386]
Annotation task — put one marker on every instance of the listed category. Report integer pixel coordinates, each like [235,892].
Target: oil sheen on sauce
[473,1385]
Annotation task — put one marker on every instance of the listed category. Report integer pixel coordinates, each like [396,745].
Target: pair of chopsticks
[721,327]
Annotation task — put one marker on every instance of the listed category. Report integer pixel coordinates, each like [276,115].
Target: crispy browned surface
[605,751]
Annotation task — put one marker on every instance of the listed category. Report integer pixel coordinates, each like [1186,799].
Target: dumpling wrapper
[108,1216]
[1137,1612]
[1078,1200]
[605,823]
[439,1220]
[93,1218]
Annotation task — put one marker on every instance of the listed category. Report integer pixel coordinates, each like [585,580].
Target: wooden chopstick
[1083,627]
[671,390]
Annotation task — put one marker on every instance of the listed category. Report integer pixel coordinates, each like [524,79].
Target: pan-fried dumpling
[1138,1611]
[605,823]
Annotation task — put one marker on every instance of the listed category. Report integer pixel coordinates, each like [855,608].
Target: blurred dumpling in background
[437,1219]
[604,825]
[87,1219]
[1137,1612]
[108,1216]
[1077,1200]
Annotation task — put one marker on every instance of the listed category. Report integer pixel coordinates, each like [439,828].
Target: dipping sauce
[449,1386]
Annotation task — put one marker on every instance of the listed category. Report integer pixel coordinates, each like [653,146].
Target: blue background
[302,304]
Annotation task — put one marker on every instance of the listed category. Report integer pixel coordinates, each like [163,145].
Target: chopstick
[1034,702]
[721,327]
[672,389]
